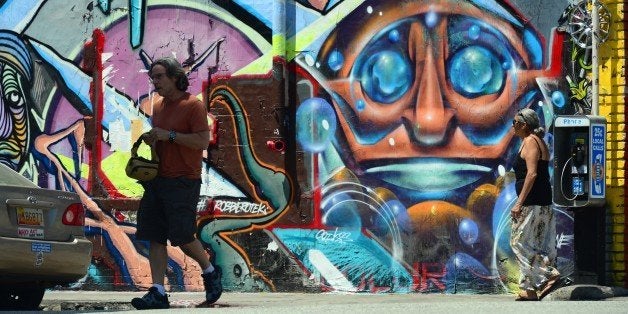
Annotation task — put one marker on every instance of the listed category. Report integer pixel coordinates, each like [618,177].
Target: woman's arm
[531,154]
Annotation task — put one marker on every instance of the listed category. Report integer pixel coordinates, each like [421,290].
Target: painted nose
[431,119]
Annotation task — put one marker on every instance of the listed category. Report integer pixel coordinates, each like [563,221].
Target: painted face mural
[15,70]
[425,93]
[411,134]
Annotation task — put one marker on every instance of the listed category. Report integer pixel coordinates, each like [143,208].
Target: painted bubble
[431,19]
[392,216]
[506,65]
[501,170]
[360,105]
[400,212]
[340,209]
[468,231]
[501,218]
[316,124]
[394,36]
[474,32]
[309,59]
[466,273]
[558,99]
[335,60]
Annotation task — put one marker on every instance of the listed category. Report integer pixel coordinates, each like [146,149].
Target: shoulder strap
[539,146]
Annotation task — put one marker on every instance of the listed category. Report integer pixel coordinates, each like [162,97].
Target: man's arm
[198,140]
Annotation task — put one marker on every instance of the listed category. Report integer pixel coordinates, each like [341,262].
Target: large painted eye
[383,67]
[14,98]
[480,57]
[476,71]
[10,85]
[386,76]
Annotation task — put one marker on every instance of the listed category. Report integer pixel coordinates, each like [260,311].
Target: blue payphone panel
[597,160]
[579,161]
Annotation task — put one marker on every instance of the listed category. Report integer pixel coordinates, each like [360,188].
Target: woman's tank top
[541,192]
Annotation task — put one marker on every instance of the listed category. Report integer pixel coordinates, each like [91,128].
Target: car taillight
[74,215]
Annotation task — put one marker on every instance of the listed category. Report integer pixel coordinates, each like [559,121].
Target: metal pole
[595,101]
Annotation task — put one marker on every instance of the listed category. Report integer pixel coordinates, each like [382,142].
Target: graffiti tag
[426,275]
[230,207]
[338,237]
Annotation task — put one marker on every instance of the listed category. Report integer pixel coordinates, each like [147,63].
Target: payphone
[579,161]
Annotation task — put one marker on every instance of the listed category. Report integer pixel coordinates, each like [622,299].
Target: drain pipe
[595,101]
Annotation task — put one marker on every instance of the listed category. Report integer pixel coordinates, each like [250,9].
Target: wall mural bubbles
[341,210]
[316,124]
[468,231]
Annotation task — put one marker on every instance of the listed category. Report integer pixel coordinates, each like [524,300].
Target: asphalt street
[571,299]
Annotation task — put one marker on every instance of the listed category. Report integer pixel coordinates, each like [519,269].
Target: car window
[10,177]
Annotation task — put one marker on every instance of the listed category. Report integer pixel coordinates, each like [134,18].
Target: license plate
[30,216]
[31,233]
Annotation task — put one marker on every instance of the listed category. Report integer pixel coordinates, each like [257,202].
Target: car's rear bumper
[26,260]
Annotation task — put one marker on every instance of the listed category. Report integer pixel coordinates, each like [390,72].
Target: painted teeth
[430,176]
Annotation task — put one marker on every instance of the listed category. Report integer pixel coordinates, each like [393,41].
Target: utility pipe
[595,27]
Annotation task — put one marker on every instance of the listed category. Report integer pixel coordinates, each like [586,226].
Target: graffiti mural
[359,145]
[409,131]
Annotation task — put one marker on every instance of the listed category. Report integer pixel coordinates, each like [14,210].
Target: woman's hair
[531,119]
[173,70]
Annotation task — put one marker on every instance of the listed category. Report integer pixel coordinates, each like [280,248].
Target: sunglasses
[514,121]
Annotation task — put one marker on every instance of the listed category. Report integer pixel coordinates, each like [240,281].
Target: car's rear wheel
[21,298]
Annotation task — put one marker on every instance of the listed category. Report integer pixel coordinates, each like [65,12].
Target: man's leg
[155,299]
[181,211]
[158,259]
[212,275]
[151,227]
[195,250]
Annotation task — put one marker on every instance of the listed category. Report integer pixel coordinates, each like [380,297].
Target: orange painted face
[415,83]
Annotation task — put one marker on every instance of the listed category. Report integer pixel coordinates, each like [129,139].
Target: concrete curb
[585,292]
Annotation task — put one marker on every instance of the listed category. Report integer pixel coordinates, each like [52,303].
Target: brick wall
[612,106]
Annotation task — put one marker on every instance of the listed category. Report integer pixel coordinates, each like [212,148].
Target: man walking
[167,211]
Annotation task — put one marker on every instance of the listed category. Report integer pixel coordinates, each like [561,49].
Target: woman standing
[533,237]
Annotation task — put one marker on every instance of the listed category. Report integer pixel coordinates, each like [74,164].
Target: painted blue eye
[386,76]
[476,71]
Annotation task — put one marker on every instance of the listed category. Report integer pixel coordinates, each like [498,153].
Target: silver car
[42,239]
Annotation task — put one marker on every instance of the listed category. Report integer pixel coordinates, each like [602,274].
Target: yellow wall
[612,106]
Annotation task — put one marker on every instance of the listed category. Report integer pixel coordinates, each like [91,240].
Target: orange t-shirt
[186,115]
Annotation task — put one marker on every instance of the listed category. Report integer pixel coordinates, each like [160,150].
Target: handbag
[140,168]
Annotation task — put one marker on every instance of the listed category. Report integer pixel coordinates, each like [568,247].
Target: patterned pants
[533,240]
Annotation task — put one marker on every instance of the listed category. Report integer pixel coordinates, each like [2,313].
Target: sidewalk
[364,303]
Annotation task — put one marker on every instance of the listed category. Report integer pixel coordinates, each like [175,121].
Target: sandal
[551,285]
[524,297]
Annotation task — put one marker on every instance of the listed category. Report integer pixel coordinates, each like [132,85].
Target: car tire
[21,298]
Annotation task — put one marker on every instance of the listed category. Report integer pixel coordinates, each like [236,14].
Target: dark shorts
[168,210]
